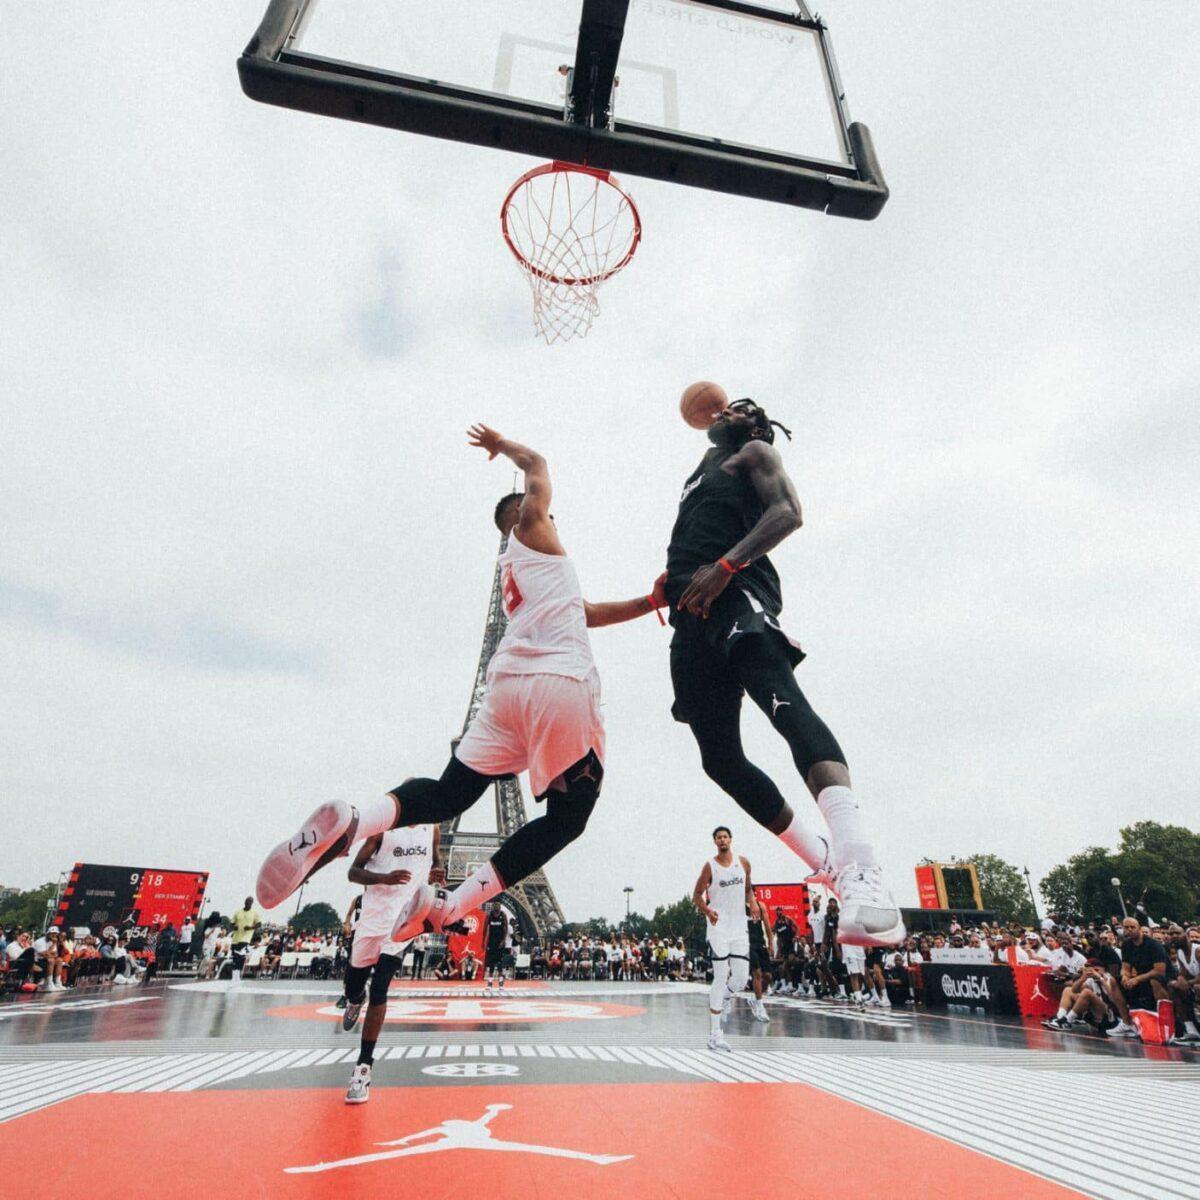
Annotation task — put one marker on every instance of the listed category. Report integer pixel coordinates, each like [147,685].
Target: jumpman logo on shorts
[734,630]
[585,773]
[777,704]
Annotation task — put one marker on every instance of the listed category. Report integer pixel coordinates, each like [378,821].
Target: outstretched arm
[781,516]
[613,612]
[535,528]
[700,895]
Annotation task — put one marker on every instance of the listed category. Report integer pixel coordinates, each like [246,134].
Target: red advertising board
[459,943]
[791,897]
[927,890]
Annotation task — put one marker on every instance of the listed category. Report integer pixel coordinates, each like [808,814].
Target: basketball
[701,402]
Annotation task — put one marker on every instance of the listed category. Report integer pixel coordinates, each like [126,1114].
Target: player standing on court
[495,944]
[725,601]
[541,712]
[722,894]
[390,866]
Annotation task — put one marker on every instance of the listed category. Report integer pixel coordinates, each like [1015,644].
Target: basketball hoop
[570,228]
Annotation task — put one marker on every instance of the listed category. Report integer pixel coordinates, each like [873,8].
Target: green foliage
[680,919]
[319,916]
[1003,888]
[1160,863]
[636,925]
[27,908]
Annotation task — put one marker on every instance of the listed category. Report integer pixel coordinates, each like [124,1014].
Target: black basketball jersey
[758,938]
[716,511]
[497,929]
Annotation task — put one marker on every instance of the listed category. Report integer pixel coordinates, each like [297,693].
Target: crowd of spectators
[1104,969]
[57,959]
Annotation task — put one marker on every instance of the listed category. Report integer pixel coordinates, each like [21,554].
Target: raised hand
[485,438]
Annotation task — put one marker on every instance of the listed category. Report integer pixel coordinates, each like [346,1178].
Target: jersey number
[512,594]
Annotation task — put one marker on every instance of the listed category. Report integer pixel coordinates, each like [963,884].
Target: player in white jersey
[541,713]
[722,894]
[390,866]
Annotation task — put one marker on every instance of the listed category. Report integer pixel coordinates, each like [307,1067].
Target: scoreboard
[97,895]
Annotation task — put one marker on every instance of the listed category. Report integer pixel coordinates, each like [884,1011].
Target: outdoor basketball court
[574,1089]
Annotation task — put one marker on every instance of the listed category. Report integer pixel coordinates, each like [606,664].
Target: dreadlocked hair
[763,425]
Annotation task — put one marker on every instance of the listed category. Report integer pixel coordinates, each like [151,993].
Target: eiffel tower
[537,909]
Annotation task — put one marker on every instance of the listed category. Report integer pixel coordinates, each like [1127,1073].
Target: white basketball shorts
[539,723]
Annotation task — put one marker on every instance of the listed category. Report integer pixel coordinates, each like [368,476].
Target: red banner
[927,891]
[791,897]
[459,943]
[1037,993]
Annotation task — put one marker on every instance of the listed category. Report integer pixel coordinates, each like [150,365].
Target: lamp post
[299,898]
[628,894]
[1032,897]
[1117,884]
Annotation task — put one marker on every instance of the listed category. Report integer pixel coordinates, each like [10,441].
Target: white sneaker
[327,833]
[758,1010]
[420,914]
[359,1091]
[869,914]
[1120,1029]
[717,1042]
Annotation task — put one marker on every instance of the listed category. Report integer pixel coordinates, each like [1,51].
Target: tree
[321,917]
[27,909]
[1003,888]
[1159,862]
[680,919]
[636,925]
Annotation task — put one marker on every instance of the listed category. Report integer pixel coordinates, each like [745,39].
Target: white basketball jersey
[406,849]
[727,894]
[547,629]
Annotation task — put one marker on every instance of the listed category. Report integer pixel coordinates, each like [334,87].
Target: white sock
[804,841]
[1071,1018]
[478,888]
[851,843]
[1062,1013]
[376,815]
[714,1020]
[1189,1027]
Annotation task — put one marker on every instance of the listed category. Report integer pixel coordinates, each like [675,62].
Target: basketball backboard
[735,97]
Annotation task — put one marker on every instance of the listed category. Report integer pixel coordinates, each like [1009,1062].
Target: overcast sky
[246,552]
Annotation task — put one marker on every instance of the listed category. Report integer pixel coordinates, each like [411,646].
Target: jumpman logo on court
[458,1135]
[777,704]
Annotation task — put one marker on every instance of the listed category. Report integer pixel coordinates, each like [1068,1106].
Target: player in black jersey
[725,600]
[495,944]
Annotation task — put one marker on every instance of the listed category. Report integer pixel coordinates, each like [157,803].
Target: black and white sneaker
[341,1001]
[350,1015]
[359,1091]
[1055,1023]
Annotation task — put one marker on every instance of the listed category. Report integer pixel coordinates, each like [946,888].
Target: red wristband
[650,601]
[728,566]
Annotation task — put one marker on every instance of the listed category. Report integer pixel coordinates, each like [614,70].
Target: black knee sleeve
[766,673]
[356,983]
[431,801]
[381,978]
[566,817]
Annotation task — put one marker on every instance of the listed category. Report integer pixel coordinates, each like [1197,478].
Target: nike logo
[736,629]
[777,704]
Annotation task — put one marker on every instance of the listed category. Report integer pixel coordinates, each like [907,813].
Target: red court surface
[642,1141]
[485,1010]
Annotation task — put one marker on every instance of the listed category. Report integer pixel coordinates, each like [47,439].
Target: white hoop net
[570,228]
